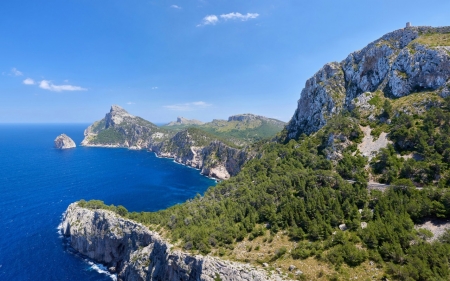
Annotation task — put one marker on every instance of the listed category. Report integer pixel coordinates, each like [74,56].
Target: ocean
[38,182]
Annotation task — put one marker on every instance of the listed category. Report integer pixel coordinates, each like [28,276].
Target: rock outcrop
[400,63]
[135,253]
[64,142]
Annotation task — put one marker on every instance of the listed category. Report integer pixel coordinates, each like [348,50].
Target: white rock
[64,142]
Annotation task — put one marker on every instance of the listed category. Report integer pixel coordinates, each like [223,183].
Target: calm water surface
[38,182]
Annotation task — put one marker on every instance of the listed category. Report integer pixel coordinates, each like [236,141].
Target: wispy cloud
[239,16]
[28,81]
[130,102]
[189,106]
[213,19]
[16,72]
[175,7]
[48,85]
[154,88]
[209,20]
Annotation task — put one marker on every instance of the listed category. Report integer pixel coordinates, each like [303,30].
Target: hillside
[242,129]
[304,207]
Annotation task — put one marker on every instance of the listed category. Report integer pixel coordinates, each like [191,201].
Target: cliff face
[135,253]
[191,146]
[400,63]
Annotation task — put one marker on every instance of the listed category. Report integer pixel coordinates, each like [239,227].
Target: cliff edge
[135,253]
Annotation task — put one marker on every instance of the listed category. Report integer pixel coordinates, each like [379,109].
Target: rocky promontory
[135,253]
[64,142]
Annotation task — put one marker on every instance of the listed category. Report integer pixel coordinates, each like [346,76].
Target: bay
[38,182]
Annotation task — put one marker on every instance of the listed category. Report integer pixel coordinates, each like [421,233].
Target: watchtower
[408,24]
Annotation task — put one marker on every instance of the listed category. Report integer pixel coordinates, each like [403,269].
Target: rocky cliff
[135,253]
[403,62]
[64,142]
[192,147]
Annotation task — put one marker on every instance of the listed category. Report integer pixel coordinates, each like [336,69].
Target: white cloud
[48,85]
[28,81]
[154,88]
[189,106]
[175,7]
[213,19]
[130,102]
[16,72]
[239,16]
[209,20]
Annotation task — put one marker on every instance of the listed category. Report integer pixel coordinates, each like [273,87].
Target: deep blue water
[38,182]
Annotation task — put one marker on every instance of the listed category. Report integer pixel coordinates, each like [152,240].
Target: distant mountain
[181,121]
[241,129]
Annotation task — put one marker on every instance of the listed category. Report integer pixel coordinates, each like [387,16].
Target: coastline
[216,179]
[130,251]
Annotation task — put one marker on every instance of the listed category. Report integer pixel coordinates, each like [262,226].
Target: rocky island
[64,142]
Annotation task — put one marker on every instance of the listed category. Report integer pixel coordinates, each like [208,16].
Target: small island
[64,142]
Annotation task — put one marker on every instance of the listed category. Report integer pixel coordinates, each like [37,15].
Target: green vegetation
[108,136]
[425,139]
[433,39]
[98,204]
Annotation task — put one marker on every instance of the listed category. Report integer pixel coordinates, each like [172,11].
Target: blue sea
[38,182]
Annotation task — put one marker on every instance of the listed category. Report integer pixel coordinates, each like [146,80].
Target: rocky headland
[134,253]
[191,147]
[64,142]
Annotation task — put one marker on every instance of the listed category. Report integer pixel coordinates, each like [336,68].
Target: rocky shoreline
[135,253]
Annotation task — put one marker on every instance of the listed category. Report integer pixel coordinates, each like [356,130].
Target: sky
[69,61]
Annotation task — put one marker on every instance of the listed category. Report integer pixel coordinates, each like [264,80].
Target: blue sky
[68,61]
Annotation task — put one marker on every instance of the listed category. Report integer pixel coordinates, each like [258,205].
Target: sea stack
[64,142]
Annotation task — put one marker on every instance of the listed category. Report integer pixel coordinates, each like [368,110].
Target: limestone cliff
[403,62]
[135,253]
[64,142]
[192,146]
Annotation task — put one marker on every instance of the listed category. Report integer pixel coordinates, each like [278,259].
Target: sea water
[38,182]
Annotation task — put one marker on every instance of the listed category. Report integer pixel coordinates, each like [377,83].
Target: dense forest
[294,188]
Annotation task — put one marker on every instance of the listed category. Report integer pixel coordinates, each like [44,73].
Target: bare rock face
[396,64]
[64,142]
[138,254]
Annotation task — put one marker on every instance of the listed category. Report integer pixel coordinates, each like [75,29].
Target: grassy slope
[238,133]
